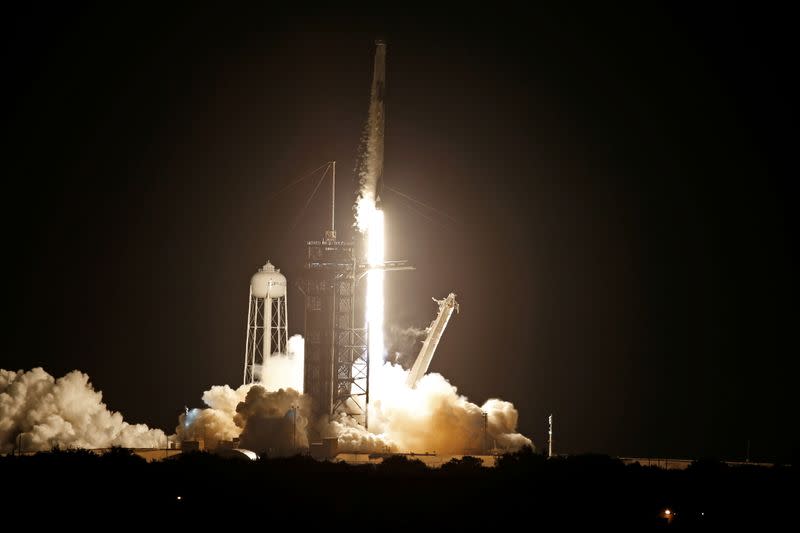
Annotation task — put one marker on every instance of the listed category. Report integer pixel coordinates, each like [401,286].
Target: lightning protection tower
[267,328]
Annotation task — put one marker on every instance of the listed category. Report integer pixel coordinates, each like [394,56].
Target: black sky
[623,182]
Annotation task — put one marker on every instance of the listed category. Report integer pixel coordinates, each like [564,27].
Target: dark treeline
[525,490]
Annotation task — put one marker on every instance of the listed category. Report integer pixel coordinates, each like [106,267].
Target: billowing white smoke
[273,422]
[260,418]
[262,414]
[39,412]
[353,438]
[432,417]
[282,371]
[216,422]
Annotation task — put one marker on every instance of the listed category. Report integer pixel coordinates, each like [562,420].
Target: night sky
[620,184]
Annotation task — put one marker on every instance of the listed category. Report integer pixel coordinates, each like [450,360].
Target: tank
[268,282]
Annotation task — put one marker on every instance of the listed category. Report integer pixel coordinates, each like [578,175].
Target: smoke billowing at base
[260,418]
[284,370]
[432,417]
[270,416]
[39,412]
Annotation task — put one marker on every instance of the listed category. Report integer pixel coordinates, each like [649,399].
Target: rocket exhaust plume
[432,416]
[369,217]
[38,412]
[375,257]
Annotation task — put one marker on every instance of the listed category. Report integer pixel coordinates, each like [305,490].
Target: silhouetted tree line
[525,489]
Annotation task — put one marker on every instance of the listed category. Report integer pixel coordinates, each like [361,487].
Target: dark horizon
[622,181]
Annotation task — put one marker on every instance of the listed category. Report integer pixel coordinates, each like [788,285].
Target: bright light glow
[374,318]
[667,512]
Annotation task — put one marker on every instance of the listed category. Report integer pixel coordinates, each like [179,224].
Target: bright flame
[375,250]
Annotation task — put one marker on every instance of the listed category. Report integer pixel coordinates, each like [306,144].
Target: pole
[247,338]
[267,338]
[550,436]
[485,431]
[333,199]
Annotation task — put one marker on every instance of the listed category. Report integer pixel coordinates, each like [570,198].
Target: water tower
[267,329]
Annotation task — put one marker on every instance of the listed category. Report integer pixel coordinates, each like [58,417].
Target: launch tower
[336,359]
[336,373]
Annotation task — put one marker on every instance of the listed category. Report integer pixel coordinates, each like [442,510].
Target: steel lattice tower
[336,359]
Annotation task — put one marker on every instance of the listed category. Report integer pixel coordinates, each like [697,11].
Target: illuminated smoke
[41,412]
[353,438]
[261,419]
[216,422]
[432,417]
[284,370]
[267,419]
[261,415]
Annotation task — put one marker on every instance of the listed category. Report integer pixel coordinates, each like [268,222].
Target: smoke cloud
[261,415]
[432,417]
[264,421]
[40,412]
[284,370]
[353,438]
[273,422]
[404,344]
[215,423]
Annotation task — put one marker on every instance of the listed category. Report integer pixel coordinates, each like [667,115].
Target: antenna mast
[330,235]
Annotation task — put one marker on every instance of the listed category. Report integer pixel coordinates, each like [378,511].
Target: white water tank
[268,282]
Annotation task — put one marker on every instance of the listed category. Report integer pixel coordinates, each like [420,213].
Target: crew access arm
[435,332]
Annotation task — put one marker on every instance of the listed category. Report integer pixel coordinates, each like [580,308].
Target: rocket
[376,119]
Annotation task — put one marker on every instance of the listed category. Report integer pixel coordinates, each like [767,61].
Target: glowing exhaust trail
[375,258]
